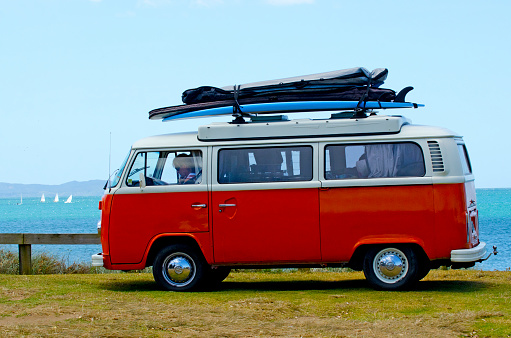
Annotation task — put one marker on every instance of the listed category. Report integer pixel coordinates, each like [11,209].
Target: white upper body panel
[373,128]
[318,134]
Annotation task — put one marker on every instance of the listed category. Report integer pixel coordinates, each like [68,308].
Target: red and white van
[377,194]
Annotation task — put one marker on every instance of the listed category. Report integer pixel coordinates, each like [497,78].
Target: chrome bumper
[97,260]
[469,255]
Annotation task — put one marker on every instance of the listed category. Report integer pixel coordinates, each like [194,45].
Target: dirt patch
[15,294]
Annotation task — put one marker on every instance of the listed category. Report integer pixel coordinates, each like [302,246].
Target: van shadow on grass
[360,284]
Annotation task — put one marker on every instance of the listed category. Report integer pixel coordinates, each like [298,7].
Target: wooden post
[25,256]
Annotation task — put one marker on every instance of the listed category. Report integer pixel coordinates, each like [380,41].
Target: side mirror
[142,180]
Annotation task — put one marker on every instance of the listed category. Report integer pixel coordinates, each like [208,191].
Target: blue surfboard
[292,107]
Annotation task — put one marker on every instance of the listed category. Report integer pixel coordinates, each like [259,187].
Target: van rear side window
[465,160]
[269,164]
[374,160]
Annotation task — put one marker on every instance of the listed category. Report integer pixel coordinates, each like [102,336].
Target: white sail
[21,200]
[69,199]
[43,199]
[56,198]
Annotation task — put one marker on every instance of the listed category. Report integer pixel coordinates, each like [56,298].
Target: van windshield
[116,176]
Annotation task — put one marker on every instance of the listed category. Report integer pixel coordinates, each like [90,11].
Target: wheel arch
[357,258]
[165,240]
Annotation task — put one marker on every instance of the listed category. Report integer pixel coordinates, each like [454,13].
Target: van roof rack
[293,107]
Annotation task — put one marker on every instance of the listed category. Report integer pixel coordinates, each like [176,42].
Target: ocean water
[82,216]
[494,207]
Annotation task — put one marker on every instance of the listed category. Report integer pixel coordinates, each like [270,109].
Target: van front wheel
[391,268]
[178,268]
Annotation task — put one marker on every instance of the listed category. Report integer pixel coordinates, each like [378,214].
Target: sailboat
[56,198]
[69,199]
[43,199]
[21,200]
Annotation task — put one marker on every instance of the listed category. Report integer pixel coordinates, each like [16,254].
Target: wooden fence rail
[25,242]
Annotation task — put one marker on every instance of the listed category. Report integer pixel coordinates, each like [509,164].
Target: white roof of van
[229,134]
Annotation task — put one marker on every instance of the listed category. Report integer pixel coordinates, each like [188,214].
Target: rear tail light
[473,228]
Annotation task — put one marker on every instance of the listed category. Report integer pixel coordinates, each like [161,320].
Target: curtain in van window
[374,161]
[409,160]
[394,160]
[380,160]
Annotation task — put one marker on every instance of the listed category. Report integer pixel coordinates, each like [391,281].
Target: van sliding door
[265,205]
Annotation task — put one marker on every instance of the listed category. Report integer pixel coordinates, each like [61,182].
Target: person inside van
[185,167]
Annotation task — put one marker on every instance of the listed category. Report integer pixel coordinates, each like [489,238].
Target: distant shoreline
[75,188]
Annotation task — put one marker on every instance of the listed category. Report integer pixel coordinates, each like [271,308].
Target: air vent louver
[436,156]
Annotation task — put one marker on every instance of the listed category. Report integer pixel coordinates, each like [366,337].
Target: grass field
[447,303]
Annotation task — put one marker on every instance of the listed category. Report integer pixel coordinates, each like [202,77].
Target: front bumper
[97,260]
[475,254]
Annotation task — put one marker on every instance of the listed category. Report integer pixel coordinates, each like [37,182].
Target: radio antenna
[109,161]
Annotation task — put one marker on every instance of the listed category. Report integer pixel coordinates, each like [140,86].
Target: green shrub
[9,263]
[42,264]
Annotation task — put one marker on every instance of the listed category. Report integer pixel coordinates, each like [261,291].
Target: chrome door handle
[199,205]
[226,205]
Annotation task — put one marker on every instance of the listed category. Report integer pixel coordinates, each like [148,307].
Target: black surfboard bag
[212,94]
[346,85]
[345,94]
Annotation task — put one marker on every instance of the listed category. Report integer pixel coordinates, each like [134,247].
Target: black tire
[178,267]
[217,275]
[424,269]
[391,268]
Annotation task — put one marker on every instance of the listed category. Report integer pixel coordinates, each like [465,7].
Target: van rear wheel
[178,268]
[391,268]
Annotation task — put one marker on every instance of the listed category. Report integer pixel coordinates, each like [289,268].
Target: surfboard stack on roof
[354,89]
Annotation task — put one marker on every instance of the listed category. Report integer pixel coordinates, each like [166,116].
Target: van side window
[465,160]
[269,164]
[166,167]
[374,160]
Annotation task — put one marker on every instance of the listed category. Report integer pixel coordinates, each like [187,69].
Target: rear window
[374,160]
[465,160]
[269,164]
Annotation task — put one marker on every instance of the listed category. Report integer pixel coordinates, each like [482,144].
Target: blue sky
[74,71]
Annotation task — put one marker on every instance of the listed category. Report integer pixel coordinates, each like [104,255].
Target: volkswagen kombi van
[373,193]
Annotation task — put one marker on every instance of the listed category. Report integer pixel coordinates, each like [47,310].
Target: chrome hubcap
[390,265]
[179,268]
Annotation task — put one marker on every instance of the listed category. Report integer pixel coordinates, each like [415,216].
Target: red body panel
[367,215]
[105,205]
[450,219]
[137,219]
[287,225]
[266,226]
